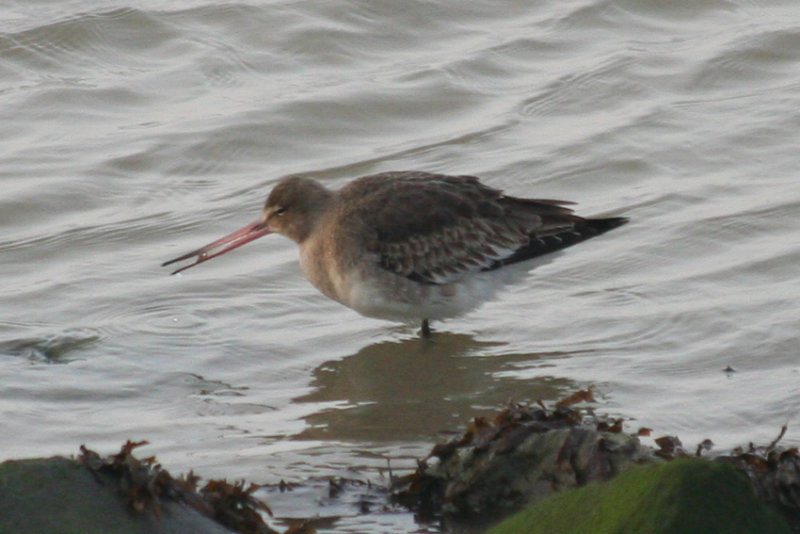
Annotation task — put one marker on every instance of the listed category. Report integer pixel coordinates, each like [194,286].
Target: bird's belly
[376,292]
[396,298]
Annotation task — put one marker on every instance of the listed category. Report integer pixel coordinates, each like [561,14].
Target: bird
[409,246]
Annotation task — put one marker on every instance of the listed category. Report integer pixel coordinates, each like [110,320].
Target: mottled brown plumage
[410,245]
[435,228]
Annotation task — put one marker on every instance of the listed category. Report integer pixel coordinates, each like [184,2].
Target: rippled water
[132,134]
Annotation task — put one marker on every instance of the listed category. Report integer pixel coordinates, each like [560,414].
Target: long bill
[229,242]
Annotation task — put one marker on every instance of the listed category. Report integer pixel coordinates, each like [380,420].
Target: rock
[775,474]
[59,495]
[683,496]
[520,457]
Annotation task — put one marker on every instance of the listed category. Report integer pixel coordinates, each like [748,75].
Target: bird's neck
[317,203]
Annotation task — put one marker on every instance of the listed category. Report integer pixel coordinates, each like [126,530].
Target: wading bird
[410,246]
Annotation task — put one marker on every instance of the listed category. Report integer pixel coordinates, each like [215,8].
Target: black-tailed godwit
[410,246]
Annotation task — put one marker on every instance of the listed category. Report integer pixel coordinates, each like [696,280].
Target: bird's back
[435,229]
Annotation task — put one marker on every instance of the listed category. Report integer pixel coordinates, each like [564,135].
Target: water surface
[134,132]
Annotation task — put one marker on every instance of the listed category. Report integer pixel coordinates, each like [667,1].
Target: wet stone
[518,458]
[683,496]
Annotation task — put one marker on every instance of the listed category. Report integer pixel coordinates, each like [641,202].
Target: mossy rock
[60,496]
[687,496]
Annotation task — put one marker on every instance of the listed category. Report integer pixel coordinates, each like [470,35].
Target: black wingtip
[583,230]
[604,225]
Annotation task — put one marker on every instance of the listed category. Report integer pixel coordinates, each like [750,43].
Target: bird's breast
[334,264]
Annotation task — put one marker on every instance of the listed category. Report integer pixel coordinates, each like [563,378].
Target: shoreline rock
[59,495]
[528,460]
[682,496]
[520,457]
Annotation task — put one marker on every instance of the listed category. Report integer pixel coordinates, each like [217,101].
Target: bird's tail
[601,226]
[582,230]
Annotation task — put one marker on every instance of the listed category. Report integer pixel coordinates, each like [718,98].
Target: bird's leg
[425,331]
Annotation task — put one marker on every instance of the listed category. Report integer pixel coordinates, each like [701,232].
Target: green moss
[689,496]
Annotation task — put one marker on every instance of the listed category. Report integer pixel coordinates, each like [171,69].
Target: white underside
[396,298]
[375,292]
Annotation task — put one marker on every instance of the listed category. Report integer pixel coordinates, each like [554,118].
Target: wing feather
[436,229]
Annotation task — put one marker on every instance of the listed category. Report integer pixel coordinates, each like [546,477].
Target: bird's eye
[280,210]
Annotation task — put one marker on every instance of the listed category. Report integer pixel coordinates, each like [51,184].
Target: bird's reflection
[414,388]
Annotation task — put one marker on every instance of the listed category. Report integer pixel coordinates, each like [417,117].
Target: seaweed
[144,484]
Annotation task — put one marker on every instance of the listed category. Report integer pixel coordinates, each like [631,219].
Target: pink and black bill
[221,246]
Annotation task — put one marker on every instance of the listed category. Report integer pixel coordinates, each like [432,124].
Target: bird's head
[292,209]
